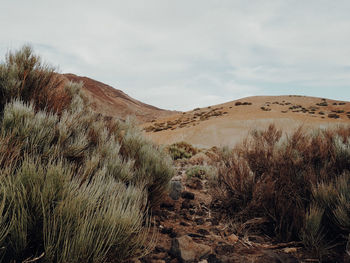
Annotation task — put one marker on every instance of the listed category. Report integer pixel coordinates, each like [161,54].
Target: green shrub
[74,186]
[181,150]
[201,171]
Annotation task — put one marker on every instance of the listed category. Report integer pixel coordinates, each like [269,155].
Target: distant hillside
[228,123]
[113,102]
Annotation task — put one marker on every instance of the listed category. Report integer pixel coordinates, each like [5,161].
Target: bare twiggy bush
[291,180]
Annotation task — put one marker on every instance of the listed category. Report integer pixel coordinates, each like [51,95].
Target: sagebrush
[75,186]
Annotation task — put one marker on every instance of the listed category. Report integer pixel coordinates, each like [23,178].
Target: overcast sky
[182,54]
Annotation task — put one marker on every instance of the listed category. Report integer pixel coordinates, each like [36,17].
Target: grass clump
[298,183]
[181,150]
[75,186]
[201,171]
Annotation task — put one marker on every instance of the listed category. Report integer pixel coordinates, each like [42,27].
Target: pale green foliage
[330,207]
[72,185]
[311,235]
[181,150]
[202,172]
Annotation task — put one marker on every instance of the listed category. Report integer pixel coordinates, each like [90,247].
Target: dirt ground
[226,124]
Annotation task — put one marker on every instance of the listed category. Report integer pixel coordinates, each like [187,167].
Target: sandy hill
[113,102]
[229,123]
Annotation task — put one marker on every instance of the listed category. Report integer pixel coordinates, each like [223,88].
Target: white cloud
[209,51]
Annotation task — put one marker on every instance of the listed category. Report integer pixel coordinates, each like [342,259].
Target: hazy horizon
[184,54]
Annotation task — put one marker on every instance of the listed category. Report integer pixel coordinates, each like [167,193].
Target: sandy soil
[229,123]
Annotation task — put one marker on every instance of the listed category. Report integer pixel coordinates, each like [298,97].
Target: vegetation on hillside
[181,150]
[74,186]
[298,185]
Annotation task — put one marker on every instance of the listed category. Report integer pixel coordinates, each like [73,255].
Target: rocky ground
[191,229]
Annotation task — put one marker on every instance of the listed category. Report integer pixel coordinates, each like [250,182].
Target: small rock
[159,249]
[187,195]
[168,204]
[224,249]
[213,259]
[187,204]
[186,250]
[175,189]
[168,231]
[232,239]
[177,178]
[203,261]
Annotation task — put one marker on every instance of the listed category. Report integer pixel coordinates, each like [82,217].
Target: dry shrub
[24,76]
[200,159]
[274,176]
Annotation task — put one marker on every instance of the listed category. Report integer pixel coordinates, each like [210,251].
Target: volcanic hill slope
[220,125]
[112,102]
[229,123]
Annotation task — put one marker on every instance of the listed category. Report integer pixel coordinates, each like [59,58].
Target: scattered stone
[213,259]
[159,249]
[175,189]
[168,231]
[186,250]
[203,261]
[168,204]
[187,195]
[224,249]
[177,178]
[187,204]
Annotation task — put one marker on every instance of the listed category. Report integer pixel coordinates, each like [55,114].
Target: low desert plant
[181,150]
[74,186]
[297,182]
[201,171]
